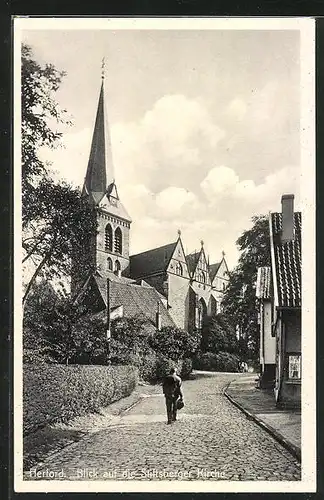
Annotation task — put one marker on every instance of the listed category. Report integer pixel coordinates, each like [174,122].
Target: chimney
[287,208]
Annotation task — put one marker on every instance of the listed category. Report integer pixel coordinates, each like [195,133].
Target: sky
[205,125]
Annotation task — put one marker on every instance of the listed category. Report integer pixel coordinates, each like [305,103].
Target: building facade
[187,287]
[267,335]
[278,293]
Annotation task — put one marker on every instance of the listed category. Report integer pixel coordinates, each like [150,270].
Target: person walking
[172,392]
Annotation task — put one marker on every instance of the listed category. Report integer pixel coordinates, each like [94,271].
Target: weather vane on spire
[103,68]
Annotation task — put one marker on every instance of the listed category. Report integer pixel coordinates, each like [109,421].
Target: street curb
[294,450]
[130,407]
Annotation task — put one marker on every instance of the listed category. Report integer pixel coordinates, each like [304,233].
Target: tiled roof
[192,260]
[263,283]
[213,268]
[118,279]
[114,207]
[287,262]
[151,261]
[135,299]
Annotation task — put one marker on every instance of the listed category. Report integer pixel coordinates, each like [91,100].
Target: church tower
[109,252]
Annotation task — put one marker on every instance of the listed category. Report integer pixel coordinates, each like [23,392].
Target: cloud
[223,184]
[181,167]
[173,201]
[168,146]
[236,109]
[219,180]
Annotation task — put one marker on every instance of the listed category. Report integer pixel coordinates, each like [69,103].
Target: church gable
[220,277]
[178,264]
[201,273]
[222,270]
[112,205]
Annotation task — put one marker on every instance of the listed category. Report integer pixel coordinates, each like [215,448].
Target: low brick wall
[57,393]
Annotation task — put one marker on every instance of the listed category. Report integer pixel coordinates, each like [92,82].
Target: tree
[37,314]
[56,329]
[39,111]
[63,226]
[218,335]
[239,303]
[174,343]
[56,221]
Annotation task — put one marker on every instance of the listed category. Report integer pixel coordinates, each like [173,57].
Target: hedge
[220,362]
[56,393]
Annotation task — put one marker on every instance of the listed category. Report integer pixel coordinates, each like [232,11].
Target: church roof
[115,207]
[136,299]
[100,166]
[192,261]
[151,261]
[287,262]
[213,268]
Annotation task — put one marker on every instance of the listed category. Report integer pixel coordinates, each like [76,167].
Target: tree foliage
[175,343]
[56,221]
[39,114]
[239,303]
[61,331]
[218,334]
[63,225]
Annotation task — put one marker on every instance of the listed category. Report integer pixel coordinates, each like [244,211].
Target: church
[162,285]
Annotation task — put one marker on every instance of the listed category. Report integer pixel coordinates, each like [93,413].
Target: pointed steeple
[100,172]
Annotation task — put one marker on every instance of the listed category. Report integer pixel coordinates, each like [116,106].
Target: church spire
[100,172]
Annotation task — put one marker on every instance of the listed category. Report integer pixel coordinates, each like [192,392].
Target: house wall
[269,341]
[203,291]
[178,300]
[290,393]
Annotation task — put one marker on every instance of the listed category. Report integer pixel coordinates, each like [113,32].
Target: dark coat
[172,385]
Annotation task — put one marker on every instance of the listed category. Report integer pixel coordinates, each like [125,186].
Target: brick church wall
[102,255]
[178,300]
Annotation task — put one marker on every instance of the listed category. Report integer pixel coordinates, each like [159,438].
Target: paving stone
[210,438]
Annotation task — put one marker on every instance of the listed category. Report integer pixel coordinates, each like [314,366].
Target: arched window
[179,269]
[117,266]
[108,238]
[109,264]
[118,240]
[202,312]
[203,277]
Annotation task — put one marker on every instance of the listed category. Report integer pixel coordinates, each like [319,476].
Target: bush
[164,366]
[186,368]
[220,362]
[71,391]
[148,367]
[174,343]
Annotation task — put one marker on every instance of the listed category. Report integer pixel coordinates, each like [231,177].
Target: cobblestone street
[212,440]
